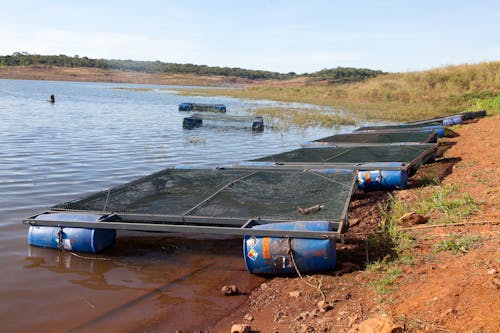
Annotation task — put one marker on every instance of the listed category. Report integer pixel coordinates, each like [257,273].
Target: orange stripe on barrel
[266,248]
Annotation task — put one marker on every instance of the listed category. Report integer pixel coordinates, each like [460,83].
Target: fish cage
[452,119]
[202,107]
[438,127]
[377,139]
[255,123]
[234,201]
[391,164]
[290,219]
[469,115]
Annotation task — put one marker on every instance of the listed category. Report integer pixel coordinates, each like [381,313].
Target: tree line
[335,75]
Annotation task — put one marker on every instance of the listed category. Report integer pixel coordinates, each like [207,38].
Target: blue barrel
[185,106]
[191,122]
[73,239]
[256,164]
[453,120]
[382,179]
[220,107]
[440,130]
[269,255]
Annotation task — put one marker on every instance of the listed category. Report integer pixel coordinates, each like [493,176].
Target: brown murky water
[147,283]
[93,138]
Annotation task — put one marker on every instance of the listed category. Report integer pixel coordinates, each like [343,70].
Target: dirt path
[453,290]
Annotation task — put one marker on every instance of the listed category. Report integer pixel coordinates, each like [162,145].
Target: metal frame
[361,166]
[222,116]
[397,127]
[432,136]
[196,224]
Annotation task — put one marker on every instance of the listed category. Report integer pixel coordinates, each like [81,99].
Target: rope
[106,203]
[292,259]
[458,224]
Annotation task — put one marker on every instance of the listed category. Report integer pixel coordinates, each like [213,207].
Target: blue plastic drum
[270,255]
[72,239]
[454,120]
[382,179]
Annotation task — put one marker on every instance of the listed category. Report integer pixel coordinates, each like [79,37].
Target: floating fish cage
[469,115]
[256,124]
[202,107]
[438,127]
[379,167]
[267,206]
[453,119]
[377,139]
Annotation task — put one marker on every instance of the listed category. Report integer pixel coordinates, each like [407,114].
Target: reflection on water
[94,137]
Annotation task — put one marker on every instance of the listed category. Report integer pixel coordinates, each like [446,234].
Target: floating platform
[379,167]
[452,119]
[377,139]
[256,124]
[438,127]
[202,107]
[232,201]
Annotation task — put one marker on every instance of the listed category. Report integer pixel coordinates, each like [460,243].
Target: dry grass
[397,97]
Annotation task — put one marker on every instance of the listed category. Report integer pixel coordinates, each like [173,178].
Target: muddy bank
[455,290]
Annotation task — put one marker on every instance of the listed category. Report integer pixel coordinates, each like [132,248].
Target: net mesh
[397,127]
[378,137]
[238,193]
[354,155]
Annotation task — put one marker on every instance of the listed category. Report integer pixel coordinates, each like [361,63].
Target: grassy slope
[398,97]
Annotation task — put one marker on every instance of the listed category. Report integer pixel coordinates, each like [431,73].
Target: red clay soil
[439,292]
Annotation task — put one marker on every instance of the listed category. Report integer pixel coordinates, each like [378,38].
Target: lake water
[96,136]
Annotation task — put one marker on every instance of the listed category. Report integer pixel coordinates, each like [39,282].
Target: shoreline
[51,73]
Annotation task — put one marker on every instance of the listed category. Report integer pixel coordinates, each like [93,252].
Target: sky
[275,35]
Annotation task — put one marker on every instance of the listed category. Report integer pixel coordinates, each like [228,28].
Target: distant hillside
[336,75]
[396,96]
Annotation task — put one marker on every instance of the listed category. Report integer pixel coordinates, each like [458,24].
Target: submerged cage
[256,124]
[191,122]
[202,107]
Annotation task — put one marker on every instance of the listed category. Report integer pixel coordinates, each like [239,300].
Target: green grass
[458,244]
[388,273]
[398,242]
[449,203]
[391,247]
